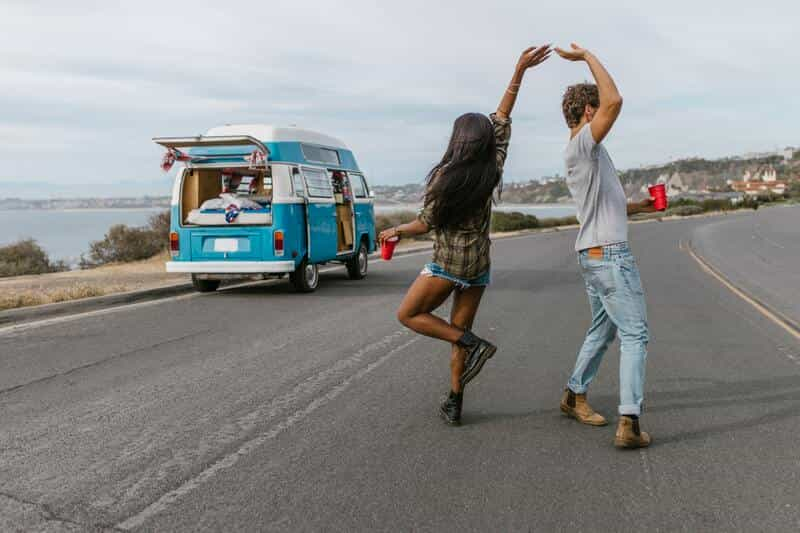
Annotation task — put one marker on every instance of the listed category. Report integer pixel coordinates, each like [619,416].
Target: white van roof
[268,133]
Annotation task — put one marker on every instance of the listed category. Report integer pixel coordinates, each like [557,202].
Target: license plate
[226,245]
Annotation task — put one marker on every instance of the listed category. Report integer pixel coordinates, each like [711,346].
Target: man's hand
[645,206]
[648,205]
[575,54]
[533,56]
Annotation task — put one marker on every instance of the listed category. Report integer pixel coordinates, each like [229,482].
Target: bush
[390,220]
[560,221]
[26,257]
[159,223]
[513,221]
[123,244]
[684,210]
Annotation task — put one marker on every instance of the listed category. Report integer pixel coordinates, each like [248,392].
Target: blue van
[258,200]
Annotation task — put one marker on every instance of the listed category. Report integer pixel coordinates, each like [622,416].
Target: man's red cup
[658,193]
[387,247]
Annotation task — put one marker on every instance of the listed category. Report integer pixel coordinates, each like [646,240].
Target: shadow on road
[731,399]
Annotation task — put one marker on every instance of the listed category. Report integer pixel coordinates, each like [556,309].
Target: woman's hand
[576,53]
[533,56]
[388,234]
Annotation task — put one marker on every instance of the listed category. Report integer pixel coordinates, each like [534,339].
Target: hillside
[688,175]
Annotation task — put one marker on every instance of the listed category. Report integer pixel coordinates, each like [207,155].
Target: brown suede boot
[629,435]
[575,406]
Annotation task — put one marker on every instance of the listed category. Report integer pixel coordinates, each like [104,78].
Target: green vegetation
[501,221]
[26,257]
[123,244]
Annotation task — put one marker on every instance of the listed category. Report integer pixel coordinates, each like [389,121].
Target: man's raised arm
[610,99]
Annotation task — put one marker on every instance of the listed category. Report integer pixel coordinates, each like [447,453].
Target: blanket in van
[230,209]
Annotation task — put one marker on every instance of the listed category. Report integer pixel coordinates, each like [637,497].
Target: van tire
[305,277]
[358,264]
[205,285]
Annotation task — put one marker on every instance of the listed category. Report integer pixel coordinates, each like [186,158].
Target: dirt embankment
[23,291]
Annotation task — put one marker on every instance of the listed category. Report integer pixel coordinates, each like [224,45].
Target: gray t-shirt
[596,189]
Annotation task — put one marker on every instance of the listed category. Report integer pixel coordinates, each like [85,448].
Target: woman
[458,207]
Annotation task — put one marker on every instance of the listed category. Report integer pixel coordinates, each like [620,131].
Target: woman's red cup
[387,248]
[658,193]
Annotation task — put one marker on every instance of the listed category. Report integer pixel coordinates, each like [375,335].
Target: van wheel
[205,285]
[305,278]
[357,265]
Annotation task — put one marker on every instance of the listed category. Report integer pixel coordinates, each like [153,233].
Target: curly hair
[575,99]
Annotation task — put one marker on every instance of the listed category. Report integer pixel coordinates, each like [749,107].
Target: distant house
[755,188]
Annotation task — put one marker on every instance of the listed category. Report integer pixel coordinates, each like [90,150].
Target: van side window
[357,183]
[319,185]
[297,183]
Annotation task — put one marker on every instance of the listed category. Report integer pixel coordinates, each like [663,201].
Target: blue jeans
[617,302]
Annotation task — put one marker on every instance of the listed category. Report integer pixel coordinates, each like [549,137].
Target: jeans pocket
[599,274]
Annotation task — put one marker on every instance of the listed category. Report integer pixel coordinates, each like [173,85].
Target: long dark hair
[464,180]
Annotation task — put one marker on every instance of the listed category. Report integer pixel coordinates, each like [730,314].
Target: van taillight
[174,244]
[279,242]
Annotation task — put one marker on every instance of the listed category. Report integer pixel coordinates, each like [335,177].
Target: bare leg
[423,297]
[462,315]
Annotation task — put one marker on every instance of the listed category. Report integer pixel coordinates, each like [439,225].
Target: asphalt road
[257,409]
[759,252]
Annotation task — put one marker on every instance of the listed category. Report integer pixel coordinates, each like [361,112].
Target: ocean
[66,234]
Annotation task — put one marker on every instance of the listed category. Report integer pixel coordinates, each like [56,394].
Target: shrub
[390,220]
[26,257]
[513,221]
[684,210]
[159,223]
[560,221]
[123,244]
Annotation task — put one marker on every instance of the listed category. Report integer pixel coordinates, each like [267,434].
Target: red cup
[387,248]
[658,193]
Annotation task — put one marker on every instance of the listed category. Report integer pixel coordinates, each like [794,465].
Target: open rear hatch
[216,165]
[213,150]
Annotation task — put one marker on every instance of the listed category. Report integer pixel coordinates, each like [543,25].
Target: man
[609,269]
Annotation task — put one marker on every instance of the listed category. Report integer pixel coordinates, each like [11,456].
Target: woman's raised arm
[530,58]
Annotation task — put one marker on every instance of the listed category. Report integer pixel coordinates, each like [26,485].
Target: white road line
[760,308]
[648,481]
[230,460]
[18,328]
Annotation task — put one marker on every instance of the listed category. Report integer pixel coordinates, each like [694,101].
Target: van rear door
[201,141]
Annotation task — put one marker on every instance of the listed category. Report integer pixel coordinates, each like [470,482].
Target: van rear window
[320,155]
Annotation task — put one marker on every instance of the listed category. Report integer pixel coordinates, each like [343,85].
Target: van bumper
[230,267]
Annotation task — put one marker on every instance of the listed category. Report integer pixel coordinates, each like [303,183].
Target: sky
[86,85]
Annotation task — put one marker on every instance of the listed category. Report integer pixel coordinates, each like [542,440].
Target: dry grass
[25,298]
[23,291]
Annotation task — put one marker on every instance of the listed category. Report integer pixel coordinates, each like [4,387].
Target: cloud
[86,85]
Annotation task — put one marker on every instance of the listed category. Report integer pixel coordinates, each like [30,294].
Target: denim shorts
[434,270]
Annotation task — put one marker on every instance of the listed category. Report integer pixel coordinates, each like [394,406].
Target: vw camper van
[259,200]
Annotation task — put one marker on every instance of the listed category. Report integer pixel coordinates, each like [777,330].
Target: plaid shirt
[464,252]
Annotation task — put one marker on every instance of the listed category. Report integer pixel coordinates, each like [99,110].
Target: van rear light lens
[174,244]
[279,242]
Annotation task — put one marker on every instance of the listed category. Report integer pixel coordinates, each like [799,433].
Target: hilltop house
[763,181]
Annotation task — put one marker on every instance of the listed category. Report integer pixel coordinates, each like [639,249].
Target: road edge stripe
[772,314]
